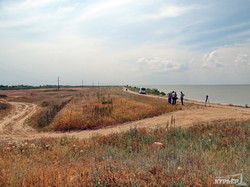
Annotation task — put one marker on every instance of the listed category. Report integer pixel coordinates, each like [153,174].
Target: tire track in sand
[14,123]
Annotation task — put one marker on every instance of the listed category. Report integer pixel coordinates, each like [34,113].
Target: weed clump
[5,109]
[3,96]
[4,106]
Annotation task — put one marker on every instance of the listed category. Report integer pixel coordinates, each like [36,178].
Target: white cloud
[242,60]
[231,62]
[17,23]
[211,56]
[167,12]
[212,60]
[159,65]
[100,9]
[34,4]
[99,39]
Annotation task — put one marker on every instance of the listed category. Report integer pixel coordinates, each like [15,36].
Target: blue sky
[124,42]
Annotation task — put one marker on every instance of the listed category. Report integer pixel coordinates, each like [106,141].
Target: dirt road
[14,123]
[11,130]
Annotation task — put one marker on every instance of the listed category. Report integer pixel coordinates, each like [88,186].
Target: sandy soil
[14,123]
[13,128]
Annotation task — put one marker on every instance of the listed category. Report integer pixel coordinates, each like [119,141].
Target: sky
[124,42]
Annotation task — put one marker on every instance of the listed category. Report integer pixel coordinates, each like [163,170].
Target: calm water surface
[228,94]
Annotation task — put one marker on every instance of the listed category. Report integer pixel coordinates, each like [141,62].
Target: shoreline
[223,94]
[215,103]
[198,102]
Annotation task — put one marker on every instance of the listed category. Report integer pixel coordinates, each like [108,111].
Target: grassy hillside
[188,157]
[87,108]
[100,107]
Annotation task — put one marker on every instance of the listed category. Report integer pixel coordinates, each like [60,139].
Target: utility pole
[58,81]
[82,83]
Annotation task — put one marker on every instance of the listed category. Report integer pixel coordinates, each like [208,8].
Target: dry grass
[86,108]
[50,102]
[101,107]
[190,157]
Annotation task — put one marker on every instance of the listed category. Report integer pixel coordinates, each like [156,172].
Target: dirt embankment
[13,128]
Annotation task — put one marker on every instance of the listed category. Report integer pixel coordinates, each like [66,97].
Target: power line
[58,81]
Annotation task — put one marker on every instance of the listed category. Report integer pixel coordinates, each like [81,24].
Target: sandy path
[14,123]
[188,116]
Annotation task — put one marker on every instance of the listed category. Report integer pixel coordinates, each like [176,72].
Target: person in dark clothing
[175,97]
[206,101]
[169,97]
[182,97]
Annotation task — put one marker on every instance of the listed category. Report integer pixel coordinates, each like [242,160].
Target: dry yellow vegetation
[188,157]
[101,107]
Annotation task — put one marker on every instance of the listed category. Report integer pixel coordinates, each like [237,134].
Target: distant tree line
[19,87]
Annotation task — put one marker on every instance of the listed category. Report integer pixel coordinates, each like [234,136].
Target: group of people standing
[172,97]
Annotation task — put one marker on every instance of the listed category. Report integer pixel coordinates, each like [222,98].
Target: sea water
[227,94]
